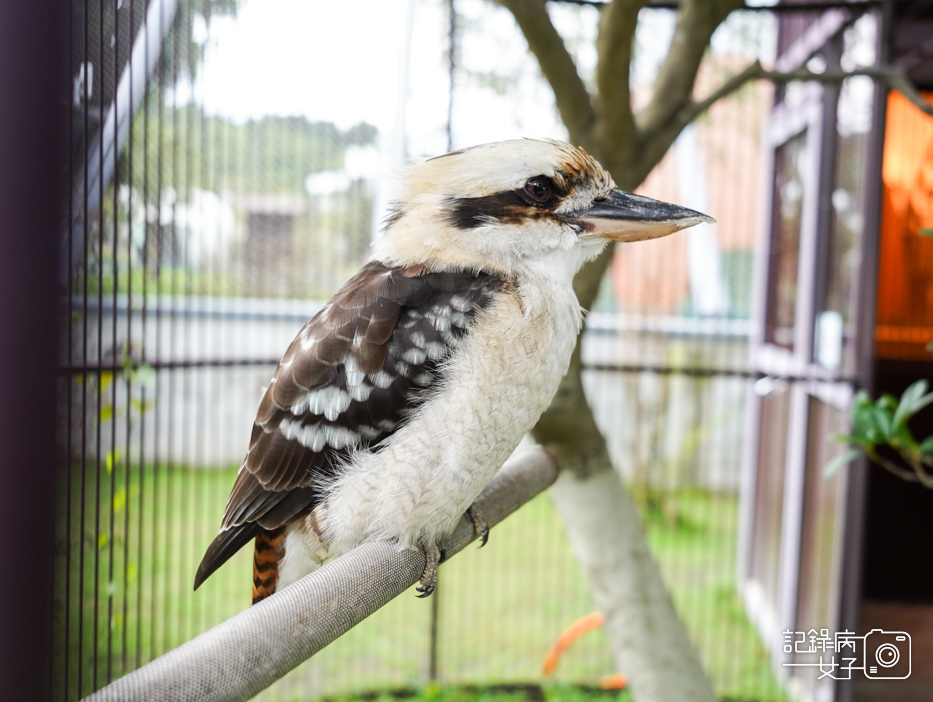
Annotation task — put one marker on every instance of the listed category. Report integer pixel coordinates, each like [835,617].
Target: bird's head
[511,204]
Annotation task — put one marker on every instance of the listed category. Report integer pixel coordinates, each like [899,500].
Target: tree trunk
[648,639]
[649,642]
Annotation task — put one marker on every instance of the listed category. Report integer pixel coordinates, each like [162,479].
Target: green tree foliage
[881,426]
[184,148]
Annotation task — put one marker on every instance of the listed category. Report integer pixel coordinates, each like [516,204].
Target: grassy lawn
[500,608]
[497,693]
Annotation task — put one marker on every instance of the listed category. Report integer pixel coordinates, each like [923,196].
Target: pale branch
[614,48]
[918,474]
[656,144]
[890,76]
[696,22]
[557,65]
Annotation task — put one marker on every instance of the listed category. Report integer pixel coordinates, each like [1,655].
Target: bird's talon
[432,556]
[480,527]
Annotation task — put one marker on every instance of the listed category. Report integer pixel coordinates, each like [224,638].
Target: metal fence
[199,241]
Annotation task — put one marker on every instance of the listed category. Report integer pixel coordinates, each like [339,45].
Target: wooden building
[844,300]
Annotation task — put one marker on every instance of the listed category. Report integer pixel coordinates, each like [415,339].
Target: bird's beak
[623,216]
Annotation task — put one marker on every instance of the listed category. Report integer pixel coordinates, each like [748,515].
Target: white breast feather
[502,378]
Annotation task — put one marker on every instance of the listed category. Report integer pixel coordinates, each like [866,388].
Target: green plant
[883,423]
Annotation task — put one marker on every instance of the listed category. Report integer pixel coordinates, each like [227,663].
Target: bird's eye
[538,188]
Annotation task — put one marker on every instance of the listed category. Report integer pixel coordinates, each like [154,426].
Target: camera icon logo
[887,655]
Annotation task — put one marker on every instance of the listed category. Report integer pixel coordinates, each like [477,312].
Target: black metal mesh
[245,654]
[191,267]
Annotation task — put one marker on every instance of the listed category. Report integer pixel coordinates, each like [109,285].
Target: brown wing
[347,381]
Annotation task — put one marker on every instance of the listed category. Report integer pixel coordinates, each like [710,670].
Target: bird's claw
[433,557]
[480,527]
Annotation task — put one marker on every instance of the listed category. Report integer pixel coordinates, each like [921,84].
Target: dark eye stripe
[506,206]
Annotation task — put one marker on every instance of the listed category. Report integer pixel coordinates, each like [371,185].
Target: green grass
[500,608]
[495,693]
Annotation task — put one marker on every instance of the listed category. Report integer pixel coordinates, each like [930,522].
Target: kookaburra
[402,397]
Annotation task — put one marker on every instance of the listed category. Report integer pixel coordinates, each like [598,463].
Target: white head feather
[423,228]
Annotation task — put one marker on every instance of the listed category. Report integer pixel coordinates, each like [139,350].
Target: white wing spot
[414,357]
[411,319]
[461,304]
[382,380]
[361,392]
[329,401]
[340,437]
[354,375]
[369,432]
[435,350]
[308,436]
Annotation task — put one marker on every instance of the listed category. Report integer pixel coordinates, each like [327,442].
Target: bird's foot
[434,556]
[480,527]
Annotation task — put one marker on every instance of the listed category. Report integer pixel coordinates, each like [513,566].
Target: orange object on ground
[613,682]
[573,632]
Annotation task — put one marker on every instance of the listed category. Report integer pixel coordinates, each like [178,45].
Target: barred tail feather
[269,550]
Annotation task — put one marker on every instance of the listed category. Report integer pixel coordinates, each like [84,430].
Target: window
[789,189]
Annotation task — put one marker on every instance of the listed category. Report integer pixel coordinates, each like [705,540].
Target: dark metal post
[33,101]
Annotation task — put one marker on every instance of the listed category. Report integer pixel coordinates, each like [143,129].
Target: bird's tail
[270,547]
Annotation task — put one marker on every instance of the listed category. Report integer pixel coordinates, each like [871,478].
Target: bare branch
[696,22]
[918,474]
[573,99]
[892,77]
[654,145]
[753,71]
[614,100]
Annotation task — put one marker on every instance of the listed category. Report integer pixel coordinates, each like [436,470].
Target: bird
[401,398]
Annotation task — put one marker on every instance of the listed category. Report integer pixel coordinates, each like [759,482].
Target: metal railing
[245,654]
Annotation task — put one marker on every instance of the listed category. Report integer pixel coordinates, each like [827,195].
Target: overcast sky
[347,62]
[344,62]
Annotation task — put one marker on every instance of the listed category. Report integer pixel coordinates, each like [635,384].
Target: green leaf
[923,402]
[119,500]
[907,408]
[926,445]
[882,421]
[113,457]
[862,419]
[145,375]
[902,439]
[106,412]
[862,399]
[888,403]
[141,406]
[106,377]
[839,461]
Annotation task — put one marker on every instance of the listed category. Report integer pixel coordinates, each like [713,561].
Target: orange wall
[904,324]
[651,277]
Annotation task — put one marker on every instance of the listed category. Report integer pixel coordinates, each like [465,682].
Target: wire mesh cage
[201,238]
